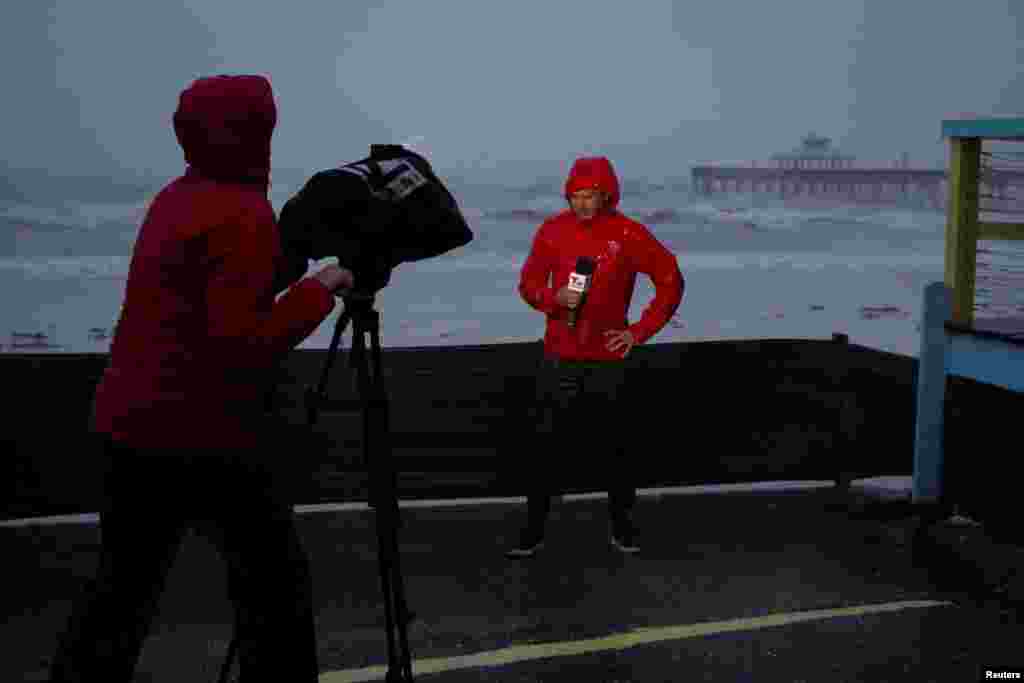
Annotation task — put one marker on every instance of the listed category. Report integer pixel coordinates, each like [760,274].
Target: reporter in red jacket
[180,407]
[583,367]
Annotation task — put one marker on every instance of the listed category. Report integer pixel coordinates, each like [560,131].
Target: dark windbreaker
[621,248]
[200,333]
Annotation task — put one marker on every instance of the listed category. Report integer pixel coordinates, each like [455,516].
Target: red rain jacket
[621,248]
[200,333]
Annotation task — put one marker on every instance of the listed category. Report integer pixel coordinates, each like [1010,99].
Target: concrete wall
[463,417]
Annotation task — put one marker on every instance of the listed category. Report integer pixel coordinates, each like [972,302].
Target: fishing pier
[816,169]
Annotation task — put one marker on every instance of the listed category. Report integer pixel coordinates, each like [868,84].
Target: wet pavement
[728,587]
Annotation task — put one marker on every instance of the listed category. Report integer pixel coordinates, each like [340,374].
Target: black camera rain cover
[376,213]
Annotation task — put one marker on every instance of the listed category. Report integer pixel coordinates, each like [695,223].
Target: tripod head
[358,303]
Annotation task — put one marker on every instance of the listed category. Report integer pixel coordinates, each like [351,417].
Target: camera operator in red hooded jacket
[583,370]
[180,408]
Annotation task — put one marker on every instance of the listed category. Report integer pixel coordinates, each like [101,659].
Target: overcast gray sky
[656,85]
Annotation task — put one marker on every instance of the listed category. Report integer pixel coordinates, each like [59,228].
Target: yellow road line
[620,641]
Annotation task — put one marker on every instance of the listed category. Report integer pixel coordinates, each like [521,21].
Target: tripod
[383,497]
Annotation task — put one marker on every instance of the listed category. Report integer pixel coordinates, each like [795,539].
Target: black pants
[151,499]
[585,416]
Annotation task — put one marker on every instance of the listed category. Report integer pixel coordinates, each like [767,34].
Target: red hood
[591,172]
[224,125]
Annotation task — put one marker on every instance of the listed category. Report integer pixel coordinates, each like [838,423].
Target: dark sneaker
[528,545]
[623,537]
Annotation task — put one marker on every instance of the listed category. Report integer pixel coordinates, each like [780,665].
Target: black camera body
[372,214]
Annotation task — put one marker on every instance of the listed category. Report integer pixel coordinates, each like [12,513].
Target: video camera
[372,214]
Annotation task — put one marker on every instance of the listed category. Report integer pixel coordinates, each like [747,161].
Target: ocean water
[755,267]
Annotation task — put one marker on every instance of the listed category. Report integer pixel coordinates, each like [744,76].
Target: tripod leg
[339,328]
[358,362]
[390,613]
[375,344]
[402,614]
[382,495]
[314,398]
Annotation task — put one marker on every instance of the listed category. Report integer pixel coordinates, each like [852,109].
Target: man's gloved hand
[620,340]
[566,298]
[335,278]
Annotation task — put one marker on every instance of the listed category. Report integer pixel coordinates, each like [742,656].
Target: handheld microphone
[579,281]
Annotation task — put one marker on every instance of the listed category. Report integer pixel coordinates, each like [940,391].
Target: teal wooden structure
[953,342]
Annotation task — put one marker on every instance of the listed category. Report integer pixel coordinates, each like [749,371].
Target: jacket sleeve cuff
[326,299]
[312,301]
[547,300]
[639,333]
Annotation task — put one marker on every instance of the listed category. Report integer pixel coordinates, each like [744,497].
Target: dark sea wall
[463,422]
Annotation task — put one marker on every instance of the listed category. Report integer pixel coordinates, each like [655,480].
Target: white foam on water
[488,261]
[808,261]
[83,268]
[76,215]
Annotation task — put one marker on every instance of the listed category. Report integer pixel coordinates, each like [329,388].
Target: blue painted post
[931,394]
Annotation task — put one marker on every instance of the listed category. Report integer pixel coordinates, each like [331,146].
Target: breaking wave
[85,268]
[74,215]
